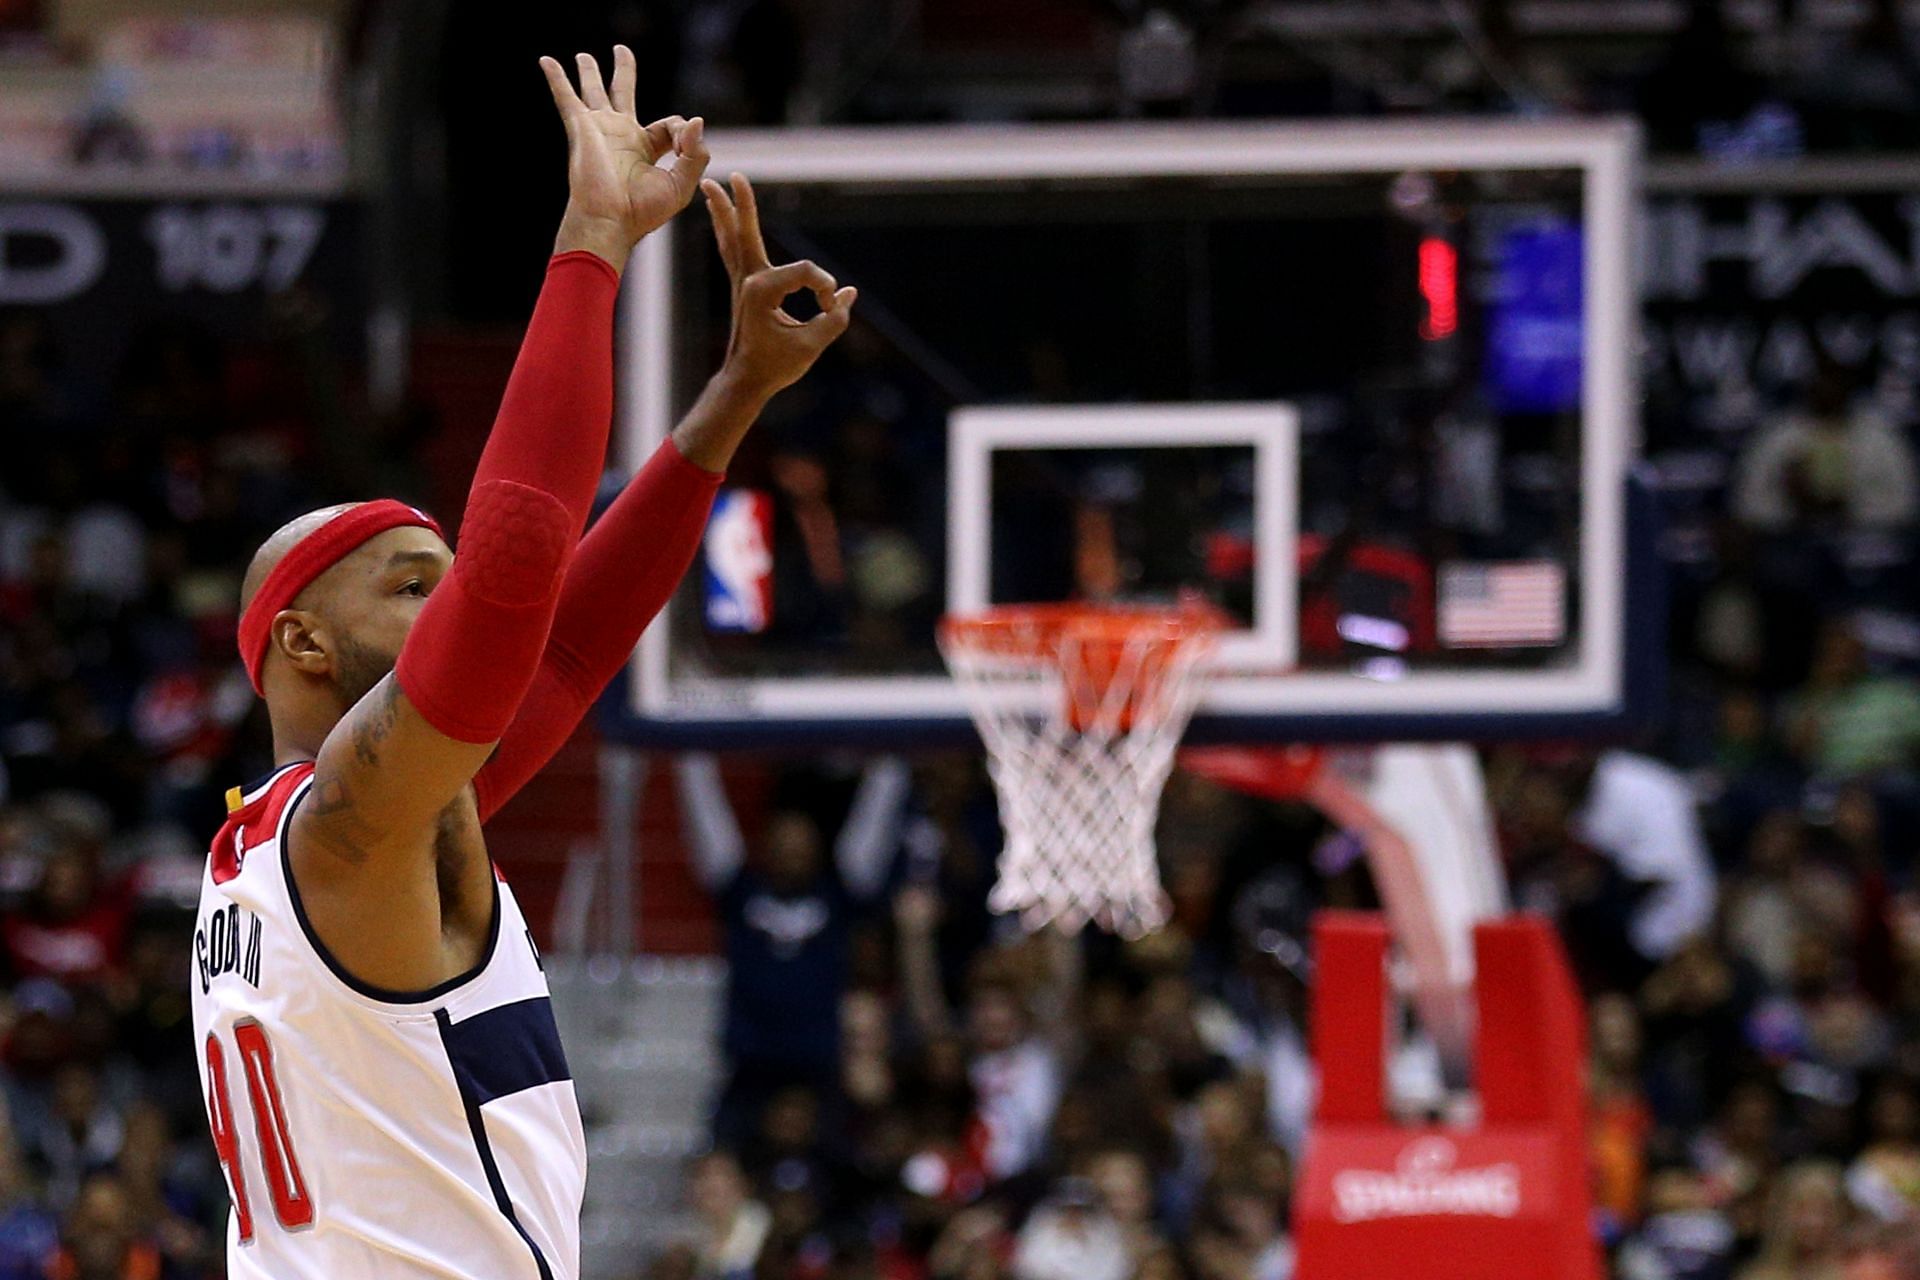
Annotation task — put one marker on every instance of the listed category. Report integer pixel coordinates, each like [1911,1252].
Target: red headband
[310,557]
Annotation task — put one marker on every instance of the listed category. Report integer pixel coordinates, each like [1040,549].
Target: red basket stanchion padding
[1509,1198]
[1275,773]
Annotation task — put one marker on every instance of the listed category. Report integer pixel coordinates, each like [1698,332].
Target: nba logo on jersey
[739,562]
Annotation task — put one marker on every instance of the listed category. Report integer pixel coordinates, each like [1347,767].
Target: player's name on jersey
[227,942]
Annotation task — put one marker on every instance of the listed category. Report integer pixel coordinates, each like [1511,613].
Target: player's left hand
[617,191]
[767,348]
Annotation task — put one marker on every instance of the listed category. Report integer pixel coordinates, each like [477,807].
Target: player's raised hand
[618,191]
[767,347]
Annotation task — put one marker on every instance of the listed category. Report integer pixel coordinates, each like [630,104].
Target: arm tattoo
[334,821]
[371,727]
[335,825]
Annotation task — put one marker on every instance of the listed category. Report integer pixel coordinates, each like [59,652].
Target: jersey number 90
[292,1206]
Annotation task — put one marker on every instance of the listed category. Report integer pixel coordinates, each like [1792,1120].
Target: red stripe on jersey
[254,823]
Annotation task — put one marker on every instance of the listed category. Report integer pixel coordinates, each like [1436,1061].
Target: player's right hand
[617,190]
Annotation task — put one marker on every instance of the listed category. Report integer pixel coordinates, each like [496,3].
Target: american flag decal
[1514,604]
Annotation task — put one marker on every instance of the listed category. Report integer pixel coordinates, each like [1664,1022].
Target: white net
[1081,710]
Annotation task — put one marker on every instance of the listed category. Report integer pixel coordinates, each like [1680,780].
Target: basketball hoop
[1080,707]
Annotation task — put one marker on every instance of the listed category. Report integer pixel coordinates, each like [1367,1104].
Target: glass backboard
[1367,388]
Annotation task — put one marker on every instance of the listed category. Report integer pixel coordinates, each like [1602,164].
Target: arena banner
[1748,283]
[101,270]
[1745,285]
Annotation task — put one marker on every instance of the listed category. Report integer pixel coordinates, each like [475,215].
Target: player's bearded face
[357,668]
[373,602]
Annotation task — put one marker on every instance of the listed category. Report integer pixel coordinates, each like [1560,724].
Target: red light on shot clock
[1440,288]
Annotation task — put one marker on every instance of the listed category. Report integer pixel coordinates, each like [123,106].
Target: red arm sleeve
[551,432]
[472,653]
[625,570]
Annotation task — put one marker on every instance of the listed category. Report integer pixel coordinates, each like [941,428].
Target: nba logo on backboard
[739,556]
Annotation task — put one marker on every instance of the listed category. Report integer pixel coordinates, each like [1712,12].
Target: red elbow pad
[476,645]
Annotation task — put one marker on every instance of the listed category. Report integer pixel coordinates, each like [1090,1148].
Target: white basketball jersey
[368,1133]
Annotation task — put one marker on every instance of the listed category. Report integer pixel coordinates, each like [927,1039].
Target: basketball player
[383,1079]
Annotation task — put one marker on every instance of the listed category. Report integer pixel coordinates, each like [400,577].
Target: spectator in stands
[733,1225]
[1622,1120]
[1640,813]
[29,1231]
[942,1140]
[974,1246]
[1658,889]
[1763,908]
[107,132]
[169,1209]
[1739,1153]
[1850,721]
[1805,1222]
[1685,1237]
[1124,1180]
[1888,1253]
[152,1031]
[1014,1068]
[101,1238]
[1884,1179]
[1694,1010]
[950,842]
[78,1134]
[1071,1236]
[867,1075]
[788,915]
[1821,1016]
[1265,996]
[1015,1072]
[1240,1235]
[1831,464]
[71,928]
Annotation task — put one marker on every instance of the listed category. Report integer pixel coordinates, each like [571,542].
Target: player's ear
[301,638]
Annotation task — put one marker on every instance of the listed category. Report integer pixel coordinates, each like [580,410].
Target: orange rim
[1035,630]
[1097,636]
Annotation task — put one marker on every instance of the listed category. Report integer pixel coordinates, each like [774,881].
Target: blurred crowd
[918,1089]
[914,1090]
[126,515]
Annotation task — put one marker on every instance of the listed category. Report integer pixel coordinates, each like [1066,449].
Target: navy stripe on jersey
[506,1049]
[258,787]
[462,1053]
